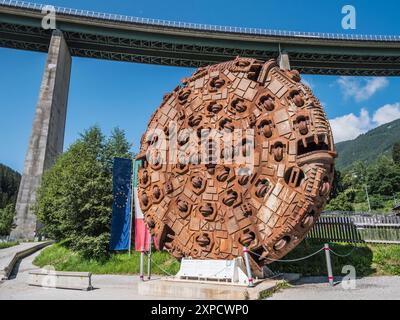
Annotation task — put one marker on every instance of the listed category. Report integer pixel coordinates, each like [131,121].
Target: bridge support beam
[283,60]
[47,137]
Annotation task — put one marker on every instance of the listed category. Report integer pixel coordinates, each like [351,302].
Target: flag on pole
[141,233]
[121,209]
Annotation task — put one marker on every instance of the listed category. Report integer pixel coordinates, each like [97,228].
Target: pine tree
[117,146]
[6,219]
[9,184]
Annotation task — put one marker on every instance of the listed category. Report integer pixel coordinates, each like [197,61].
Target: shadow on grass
[361,258]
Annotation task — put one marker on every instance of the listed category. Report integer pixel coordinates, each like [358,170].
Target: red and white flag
[142,234]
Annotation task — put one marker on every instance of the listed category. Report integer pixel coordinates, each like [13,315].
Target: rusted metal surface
[210,210]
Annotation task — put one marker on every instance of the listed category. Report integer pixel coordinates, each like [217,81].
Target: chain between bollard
[159,267]
[343,255]
[327,257]
[291,260]
[247,262]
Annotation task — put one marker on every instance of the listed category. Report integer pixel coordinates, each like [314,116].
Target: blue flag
[121,209]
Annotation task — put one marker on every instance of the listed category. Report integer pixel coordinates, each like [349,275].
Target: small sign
[231,271]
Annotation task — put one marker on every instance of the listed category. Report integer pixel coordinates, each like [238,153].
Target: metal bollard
[149,260]
[328,263]
[142,263]
[248,269]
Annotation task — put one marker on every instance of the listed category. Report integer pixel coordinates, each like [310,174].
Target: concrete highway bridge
[123,38]
[96,35]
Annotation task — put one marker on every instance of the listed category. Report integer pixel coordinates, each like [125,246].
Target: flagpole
[149,257]
[131,208]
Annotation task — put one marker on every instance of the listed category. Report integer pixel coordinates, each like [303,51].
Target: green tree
[383,177]
[75,198]
[343,202]
[396,153]
[377,202]
[9,184]
[337,185]
[6,219]
[117,146]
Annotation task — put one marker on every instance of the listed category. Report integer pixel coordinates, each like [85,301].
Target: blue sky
[121,94]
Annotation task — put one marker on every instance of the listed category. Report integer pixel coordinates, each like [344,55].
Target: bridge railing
[357,228]
[198,26]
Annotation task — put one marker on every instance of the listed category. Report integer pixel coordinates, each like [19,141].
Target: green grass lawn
[367,260]
[4,245]
[64,259]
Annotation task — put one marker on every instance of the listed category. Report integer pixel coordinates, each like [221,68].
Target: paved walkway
[7,255]
[313,288]
[106,287]
[109,287]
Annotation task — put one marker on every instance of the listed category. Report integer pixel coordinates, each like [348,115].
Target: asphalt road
[369,288]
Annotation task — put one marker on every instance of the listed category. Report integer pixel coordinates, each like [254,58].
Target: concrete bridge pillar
[283,60]
[47,137]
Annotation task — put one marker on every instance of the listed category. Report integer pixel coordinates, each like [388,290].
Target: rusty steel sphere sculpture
[211,209]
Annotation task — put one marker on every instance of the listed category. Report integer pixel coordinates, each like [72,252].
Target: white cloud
[387,113]
[361,89]
[350,126]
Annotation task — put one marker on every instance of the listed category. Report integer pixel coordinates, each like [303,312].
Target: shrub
[75,197]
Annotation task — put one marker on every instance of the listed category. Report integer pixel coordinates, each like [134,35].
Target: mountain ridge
[368,146]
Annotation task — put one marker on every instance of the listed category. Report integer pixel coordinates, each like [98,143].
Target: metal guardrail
[198,26]
[356,228]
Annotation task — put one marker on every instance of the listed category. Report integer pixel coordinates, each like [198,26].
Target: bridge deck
[122,38]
